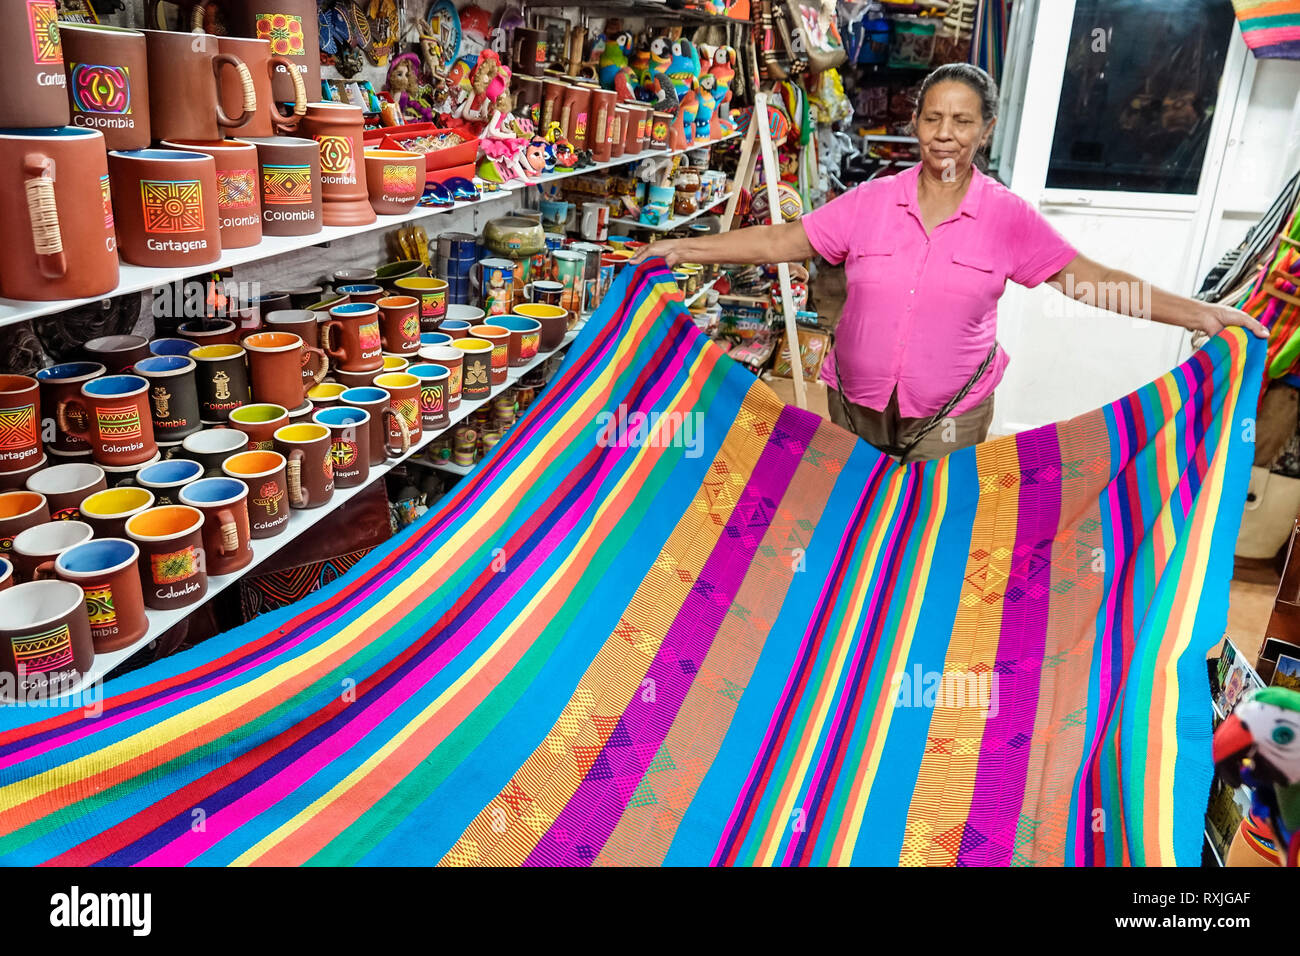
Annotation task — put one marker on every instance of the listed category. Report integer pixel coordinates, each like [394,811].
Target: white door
[1135,201]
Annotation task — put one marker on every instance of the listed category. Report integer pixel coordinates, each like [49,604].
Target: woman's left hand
[1211,319]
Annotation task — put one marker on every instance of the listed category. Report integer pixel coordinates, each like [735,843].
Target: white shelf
[704,289]
[446,466]
[299,521]
[676,222]
[143,279]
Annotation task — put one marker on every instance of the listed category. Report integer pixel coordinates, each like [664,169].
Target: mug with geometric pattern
[118,424]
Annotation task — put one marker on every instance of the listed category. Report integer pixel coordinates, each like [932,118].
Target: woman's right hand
[670,249]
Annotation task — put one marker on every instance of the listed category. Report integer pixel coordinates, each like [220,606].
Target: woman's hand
[1211,319]
[670,249]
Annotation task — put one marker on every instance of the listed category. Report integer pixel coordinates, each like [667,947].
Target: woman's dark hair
[985,87]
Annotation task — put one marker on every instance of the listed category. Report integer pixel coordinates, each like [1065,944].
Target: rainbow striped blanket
[1271,28]
[674,621]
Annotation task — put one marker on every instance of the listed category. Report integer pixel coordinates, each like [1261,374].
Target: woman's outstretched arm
[755,246]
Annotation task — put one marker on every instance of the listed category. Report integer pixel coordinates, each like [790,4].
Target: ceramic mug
[361,291]
[525,338]
[554,322]
[209,331]
[276,363]
[544,292]
[212,446]
[306,325]
[462,314]
[36,548]
[165,479]
[403,391]
[165,207]
[108,82]
[119,427]
[227,535]
[384,421]
[429,339]
[266,118]
[45,642]
[394,179]
[289,178]
[20,412]
[306,450]
[107,511]
[388,274]
[339,129]
[528,51]
[326,394]
[433,395]
[349,443]
[453,360]
[65,486]
[264,473]
[292,29]
[173,565]
[31,68]
[500,340]
[399,324]
[259,422]
[56,202]
[172,346]
[185,86]
[173,395]
[59,382]
[222,379]
[239,211]
[352,339]
[108,571]
[570,272]
[495,280]
[476,382]
[432,294]
[117,353]
[20,510]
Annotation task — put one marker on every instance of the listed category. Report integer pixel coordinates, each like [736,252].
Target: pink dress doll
[502,142]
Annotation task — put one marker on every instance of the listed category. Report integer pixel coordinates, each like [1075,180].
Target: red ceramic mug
[119,424]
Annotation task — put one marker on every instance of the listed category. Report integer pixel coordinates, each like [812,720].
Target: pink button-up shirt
[921,313]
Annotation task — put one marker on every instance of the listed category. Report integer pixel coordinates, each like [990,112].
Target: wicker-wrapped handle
[296,496]
[402,429]
[249,106]
[43,211]
[229,532]
[288,122]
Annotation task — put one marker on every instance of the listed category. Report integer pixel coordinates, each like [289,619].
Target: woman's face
[951,129]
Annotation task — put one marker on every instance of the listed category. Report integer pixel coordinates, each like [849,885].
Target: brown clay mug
[108,571]
[276,361]
[119,427]
[266,119]
[399,324]
[292,29]
[107,511]
[499,339]
[65,486]
[45,642]
[165,479]
[185,86]
[339,128]
[528,51]
[117,353]
[20,414]
[289,177]
[239,210]
[108,82]
[433,395]
[57,383]
[352,339]
[264,473]
[165,207]
[173,395]
[525,338]
[222,380]
[395,180]
[476,380]
[212,446]
[31,69]
[403,390]
[383,422]
[227,536]
[56,204]
[554,320]
[259,422]
[453,360]
[432,294]
[20,510]
[38,546]
[172,561]
[326,394]
[349,443]
[306,451]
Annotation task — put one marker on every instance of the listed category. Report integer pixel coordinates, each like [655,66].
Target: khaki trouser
[891,433]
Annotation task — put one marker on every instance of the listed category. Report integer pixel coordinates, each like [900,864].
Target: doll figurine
[413,98]
[485,80]
[501,142]
[536,158]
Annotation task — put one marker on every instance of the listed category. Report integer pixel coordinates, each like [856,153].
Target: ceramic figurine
[683,68]
[538,157]
[723,70]
[565,155]
[503,147]
[1258,745]
[704,117]
[615,72]
[414,98]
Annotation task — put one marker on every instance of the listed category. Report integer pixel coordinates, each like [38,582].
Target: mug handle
[288,122]
[296,497]
[43,211]
[229,532]
[44,571]
[401,427]
[65,425]
[335,353]
[245,80]
[324,365]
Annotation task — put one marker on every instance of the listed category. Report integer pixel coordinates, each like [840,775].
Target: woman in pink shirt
[927,255]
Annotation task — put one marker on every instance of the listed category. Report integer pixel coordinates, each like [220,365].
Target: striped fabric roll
[1271,28]
[671,620]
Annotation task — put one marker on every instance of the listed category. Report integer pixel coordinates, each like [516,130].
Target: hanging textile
[992,24]
[1271,28]
[672,620]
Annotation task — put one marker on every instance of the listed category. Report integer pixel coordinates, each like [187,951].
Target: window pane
[1138,98]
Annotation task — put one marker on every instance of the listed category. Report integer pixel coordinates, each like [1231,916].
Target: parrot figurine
[1258,745]
[708,104]
[614,58]
[661,55]
[684,67]
[723,69]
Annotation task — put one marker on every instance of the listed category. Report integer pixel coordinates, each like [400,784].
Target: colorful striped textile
[1271,28]
[673,621]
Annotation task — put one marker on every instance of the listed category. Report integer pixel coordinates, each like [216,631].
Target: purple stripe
[589,817]
[989,836]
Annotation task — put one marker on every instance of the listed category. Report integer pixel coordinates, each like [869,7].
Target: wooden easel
[760,131]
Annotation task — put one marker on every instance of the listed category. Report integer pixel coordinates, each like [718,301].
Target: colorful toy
[708,104]
[503,146]
[413,96]
[614,58]
[1258,745]
[723,70]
